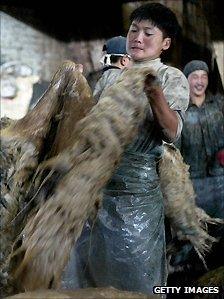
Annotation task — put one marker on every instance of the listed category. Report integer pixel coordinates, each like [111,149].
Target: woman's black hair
[160,16]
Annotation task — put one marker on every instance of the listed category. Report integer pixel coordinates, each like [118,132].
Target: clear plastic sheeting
[125,247]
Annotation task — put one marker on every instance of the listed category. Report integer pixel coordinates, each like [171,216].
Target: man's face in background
[198,82]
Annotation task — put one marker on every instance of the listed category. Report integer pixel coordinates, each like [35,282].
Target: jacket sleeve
[176,91]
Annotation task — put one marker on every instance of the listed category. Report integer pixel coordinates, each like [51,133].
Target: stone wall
[87,53]
[22,43]
[27,53]
[26,45]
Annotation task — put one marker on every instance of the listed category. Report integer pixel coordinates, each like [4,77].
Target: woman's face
[145,41]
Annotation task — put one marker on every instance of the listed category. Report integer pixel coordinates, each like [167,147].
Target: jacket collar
[208,99]
[154,64]
[110,67]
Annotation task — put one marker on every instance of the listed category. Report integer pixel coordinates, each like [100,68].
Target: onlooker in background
[202,140]
[202,148]
[115,59]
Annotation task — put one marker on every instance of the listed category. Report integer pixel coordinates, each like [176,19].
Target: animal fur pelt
[26,143]
[58,158]
[82,169]
[188,221]
[88,293]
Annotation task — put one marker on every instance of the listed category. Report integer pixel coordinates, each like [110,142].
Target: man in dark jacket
[202,140]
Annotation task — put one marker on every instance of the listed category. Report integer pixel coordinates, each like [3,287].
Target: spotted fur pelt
[24,145]
[80,171]
[59,157]
[188,221]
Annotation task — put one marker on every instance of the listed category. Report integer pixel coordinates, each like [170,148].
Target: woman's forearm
[166,117]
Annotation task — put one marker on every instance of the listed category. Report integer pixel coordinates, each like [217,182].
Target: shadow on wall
[39,89]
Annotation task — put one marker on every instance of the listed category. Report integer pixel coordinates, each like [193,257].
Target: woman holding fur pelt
[125,246]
